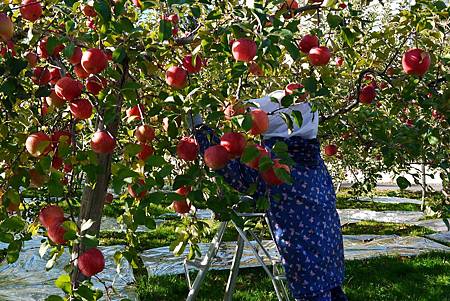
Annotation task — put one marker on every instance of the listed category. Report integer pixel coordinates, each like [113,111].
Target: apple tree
[98,100]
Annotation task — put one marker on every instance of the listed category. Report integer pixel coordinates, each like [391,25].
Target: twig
[189,38]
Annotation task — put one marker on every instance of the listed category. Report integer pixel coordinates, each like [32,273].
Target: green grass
[370,227]
[422,278]
[345,202]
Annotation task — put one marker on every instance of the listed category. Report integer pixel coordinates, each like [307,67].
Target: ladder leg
[234,271]
[212,251]
[260,261]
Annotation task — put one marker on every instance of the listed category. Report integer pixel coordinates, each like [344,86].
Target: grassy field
[423,278]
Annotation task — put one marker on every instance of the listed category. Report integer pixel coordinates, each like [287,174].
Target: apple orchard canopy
[277,126]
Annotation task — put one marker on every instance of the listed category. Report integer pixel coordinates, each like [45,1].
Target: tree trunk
[92,201]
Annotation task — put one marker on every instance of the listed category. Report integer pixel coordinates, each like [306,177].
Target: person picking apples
[303,213]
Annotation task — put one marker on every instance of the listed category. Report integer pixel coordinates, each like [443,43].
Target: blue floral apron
[302,215]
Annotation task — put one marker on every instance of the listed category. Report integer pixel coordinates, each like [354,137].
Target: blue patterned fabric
[302,215]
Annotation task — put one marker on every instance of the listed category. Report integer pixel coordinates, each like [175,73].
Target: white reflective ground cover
[27,280]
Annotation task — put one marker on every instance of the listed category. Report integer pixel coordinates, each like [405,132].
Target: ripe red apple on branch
[176,77]
[263,152]
[216,157]
[38,144]
[68,88]
[51,215]
[91,262]
[330,150]
[144,133]
[140,184]
[234,143]
[290,89]
[81,108]
[191,65]
[244,50]
[94,61]
[103,142]
[269,175]
[319,56]
[260,122]
[308,42]
[134,113]
[6,27]
[31,10]
[367,94]
[181,207]
[187,149]
[75,58]
[416,61]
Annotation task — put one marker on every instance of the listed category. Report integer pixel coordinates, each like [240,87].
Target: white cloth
[277,126]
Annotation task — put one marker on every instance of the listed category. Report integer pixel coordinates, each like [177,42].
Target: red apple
[319,56]
[184,190]
[134,112]
[146,152]
[260,122]
[37,179]
[181,207]
[32,58]
[42,49]
[255,69]
[94,60]
[91,262]
[51,215]
[176,77]
[108,198]
[80,72]
[262,153]
[6,27]
[416,61]
[290,4]
[290,89]
[55,75]
[41,76]
[342,5]
[308,42]
[367,94]
[75,59]
[67,167]
[68,88]
[234,143]
[216,157]
[269,175]
[330,150]
[137,3]
[81,108]
[144,133]
[61,137]
[173,18]
[103,142]
[56,234]
[390,71]
[339,61]
[57,162]
[38,144]
[192,66]
[95,84]
[187,149]
[31,10]
[88,10]
[133,193]
[244,50]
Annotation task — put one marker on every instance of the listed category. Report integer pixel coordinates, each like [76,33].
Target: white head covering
[278,127]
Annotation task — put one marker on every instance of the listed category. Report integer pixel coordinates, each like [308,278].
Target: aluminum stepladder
[203,264]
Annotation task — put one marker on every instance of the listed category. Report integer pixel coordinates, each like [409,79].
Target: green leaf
[250,153]
[119,55]
[433,140]
[310,84]
[334,20]
[298,118]
[292,49]
[63,282]
[403,183]
[103,10]
[283,175]
[165,30]
[265,163]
